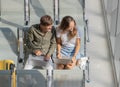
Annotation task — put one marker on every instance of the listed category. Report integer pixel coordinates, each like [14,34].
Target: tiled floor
[97,49]
[100,64]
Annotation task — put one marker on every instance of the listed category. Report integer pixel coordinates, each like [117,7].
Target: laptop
[63,60]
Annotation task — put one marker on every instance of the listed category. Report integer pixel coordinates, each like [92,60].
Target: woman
[68,42]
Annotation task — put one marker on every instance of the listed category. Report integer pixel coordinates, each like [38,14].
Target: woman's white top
[65,40]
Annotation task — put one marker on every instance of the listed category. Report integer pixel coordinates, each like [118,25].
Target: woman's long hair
[65,24]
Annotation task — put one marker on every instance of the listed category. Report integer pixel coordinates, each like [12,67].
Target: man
[41,39]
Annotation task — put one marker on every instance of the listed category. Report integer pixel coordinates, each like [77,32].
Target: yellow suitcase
[6,64]
[9,65]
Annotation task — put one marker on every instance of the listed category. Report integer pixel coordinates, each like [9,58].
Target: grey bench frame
[22,54]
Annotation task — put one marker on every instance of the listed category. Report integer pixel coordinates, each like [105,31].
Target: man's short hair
[46,20]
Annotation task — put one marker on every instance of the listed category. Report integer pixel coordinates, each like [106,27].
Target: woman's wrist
[58,53]
[74,56]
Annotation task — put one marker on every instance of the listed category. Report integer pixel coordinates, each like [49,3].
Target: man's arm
[30,35]
[30,38]
[31,44]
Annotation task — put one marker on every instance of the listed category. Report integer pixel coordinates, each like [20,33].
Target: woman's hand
[72,64]
[59,56]
[73,59]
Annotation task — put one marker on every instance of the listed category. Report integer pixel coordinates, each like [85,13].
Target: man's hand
[47,57]
[37,52]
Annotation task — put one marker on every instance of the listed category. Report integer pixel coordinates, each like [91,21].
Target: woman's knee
[70,66]
[60,66]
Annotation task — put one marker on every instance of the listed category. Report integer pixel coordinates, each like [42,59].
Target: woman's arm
[77,47]
[58,47]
